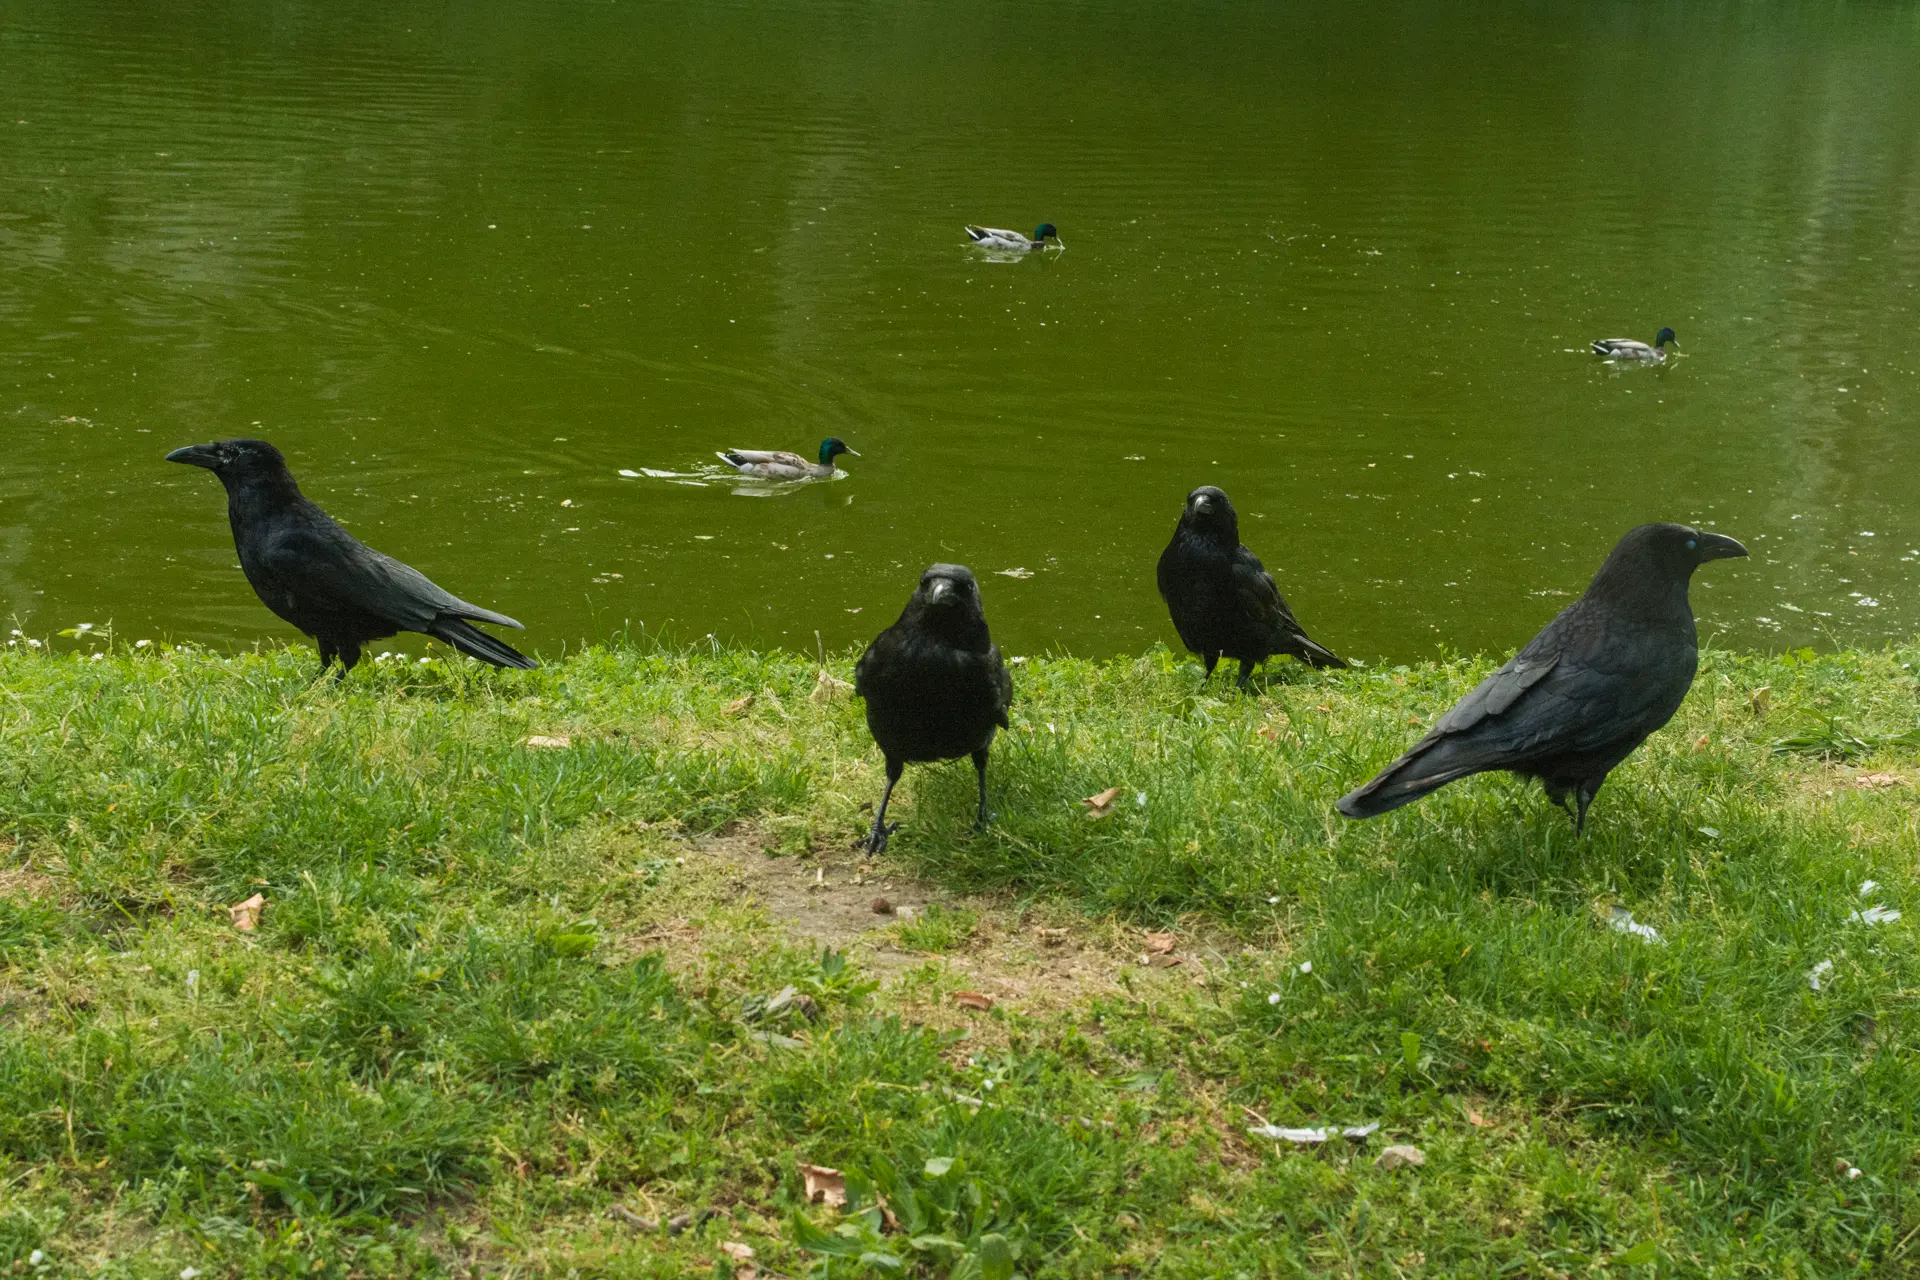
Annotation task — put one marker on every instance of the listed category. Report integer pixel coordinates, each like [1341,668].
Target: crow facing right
[1594,684]
[1222,599]
[934,684]
[322,579]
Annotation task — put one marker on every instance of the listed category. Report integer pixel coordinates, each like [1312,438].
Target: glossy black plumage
[1222,599]
[1607,672]
[320,578]
[934,684]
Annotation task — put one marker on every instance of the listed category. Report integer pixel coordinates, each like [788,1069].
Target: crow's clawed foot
[876,841]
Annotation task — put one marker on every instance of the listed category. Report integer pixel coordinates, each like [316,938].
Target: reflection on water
[474,268]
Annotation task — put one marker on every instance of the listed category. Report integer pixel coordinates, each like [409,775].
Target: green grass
[488,1000]
[939,928]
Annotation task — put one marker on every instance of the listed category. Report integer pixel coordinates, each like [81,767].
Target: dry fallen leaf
[1879,780]
[1268,732]
[552,742]
[737,1251]
[1700,743]
[1161,943]
[824,1185]
[1477,1120]
[973,1000]
[740,704]
[1401,1157]
[1161,960]
[1760,701]
[826,688]
[1101,805]
[246,915]
[1053,937]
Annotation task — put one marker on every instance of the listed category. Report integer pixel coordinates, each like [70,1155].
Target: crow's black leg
[980,767]
[1246,673]
[1586,798]
[1212,660]
[877,838]
[349,656]
[326,660]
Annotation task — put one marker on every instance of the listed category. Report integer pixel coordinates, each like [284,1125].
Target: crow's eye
[1691,544]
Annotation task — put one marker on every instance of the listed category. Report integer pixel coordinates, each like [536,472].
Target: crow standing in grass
[320,578]
[1222,599]
[935,685]
[1601,677]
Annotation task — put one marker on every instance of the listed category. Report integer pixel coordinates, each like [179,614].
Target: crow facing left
[322,579]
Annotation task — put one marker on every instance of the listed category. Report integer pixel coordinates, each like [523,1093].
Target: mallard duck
[1629,349]
[1013,241]
[765,464]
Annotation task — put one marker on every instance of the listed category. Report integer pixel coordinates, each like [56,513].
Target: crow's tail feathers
[476,643]
[1318,655]
[1416,774]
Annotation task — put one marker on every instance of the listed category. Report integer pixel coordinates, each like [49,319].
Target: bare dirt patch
[1030,960]
[19,879]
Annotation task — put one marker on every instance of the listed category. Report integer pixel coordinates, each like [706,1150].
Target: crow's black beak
[1718,546]
[197,455]
[938,591]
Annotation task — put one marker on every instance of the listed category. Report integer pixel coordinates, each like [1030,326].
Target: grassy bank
[500,991]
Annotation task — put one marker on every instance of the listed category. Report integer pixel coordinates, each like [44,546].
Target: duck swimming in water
[765,464]
[1013,241]
[1629,349]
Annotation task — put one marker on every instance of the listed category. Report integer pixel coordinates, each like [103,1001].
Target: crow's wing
[327,568]
[883,653]
[1259,599]
[1260,602]
[1002,683]
[1498,692]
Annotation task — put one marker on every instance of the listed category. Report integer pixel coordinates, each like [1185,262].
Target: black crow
[935,685]
[320,578]
[1222,599]
[1603,675]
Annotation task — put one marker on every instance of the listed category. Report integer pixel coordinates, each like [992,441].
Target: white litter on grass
[1309,1137]
[1273,997]
[1868,886]
[1621,920]
[1820,971]
[1306,966]
[1874,915]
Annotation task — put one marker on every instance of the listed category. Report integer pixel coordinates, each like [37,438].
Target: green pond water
[469,264]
